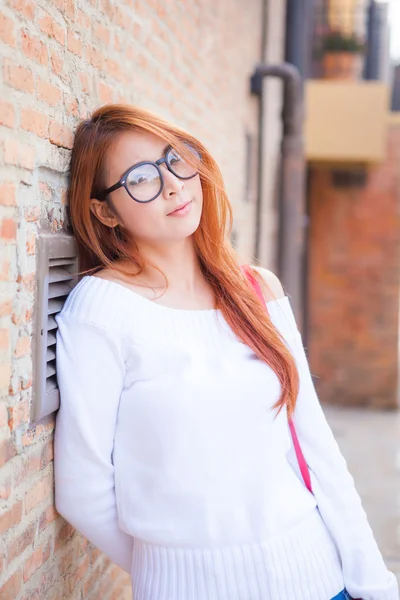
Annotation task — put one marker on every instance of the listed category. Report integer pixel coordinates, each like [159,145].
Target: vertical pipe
[299,22]
[376,40]
[261,118]
[292,179]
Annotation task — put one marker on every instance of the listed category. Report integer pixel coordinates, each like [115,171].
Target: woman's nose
[172,183]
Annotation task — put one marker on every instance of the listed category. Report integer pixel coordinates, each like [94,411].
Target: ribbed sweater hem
[302,564]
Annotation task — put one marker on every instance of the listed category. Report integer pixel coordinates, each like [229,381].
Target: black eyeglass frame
[157,163]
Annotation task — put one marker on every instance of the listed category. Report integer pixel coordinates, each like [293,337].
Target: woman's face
[155,221]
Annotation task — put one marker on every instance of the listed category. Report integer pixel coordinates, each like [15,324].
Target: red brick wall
[189,61]
[354,270]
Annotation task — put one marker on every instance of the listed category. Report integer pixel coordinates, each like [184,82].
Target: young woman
[173,451]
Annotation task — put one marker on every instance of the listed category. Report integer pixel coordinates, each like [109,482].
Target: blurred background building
[352,150]
[195,63]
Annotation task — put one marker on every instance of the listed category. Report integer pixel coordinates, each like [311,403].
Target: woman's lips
[181,212]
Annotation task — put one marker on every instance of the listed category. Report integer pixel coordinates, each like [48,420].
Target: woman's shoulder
[278,303]
[95,300]
[270,283]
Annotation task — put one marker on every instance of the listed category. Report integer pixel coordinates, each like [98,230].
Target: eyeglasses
[144,181]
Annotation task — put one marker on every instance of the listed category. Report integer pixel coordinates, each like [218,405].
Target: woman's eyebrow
[162,153]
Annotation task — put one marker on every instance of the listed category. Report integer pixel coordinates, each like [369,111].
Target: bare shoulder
[270,284]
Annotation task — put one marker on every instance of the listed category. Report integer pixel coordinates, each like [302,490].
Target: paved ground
[370,442]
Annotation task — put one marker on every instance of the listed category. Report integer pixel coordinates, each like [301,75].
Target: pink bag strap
[305,472]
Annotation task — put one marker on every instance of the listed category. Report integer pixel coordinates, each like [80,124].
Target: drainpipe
[292,180]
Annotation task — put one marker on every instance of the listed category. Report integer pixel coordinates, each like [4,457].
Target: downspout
[292,184]
[260,151]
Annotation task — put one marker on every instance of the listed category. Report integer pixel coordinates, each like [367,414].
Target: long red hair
[100,246]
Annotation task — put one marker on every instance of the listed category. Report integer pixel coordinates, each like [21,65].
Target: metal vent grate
[56,276]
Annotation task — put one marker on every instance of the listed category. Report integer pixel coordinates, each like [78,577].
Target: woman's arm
[90,370]
[364,571]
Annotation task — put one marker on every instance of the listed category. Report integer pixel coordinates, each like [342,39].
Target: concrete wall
[191,63]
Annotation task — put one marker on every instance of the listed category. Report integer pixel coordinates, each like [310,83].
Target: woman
[173,453]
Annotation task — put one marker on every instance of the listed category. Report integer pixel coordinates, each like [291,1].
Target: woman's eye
[174,157]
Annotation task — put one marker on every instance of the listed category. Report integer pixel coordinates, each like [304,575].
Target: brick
[102,33]
[84,79]
[41,490]
[35,122]
[117,43]
[50,27]
[11,517]
[114,70]
[30,244]
[3,414]
[8,230]
[8,194]
[122,18]
[7,30]
[5,489]
[94,555]
[354,285]
[94,56]
[66,7]
[47,517]
[29,466]
[60,135]
[34,48]
[23,346]
[47,92]
[91,583]
[17,546]
[67,559]
[10,590]
[57,62]
[72,106]
[104,588]
[22,314]
[74,44]
[65,533]
[32,564]
[7,451]
[47,454]
[6,308]
[17,76]
[5,270]
[25,7]
[27,281]
[36,560]
[18,414]
[46,193]
[7,116]
[17,385]
[32,214]
[19,154]
[78,574]
[83,20]
[105,92]
[5,375]
[4,339]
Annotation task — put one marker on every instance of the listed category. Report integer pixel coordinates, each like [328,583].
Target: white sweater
[169,458]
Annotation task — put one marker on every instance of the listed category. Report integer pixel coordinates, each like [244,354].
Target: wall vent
[57,274]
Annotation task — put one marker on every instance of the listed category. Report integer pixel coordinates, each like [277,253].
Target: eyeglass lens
[144,183]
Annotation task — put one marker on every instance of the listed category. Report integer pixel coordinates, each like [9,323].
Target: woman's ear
[103,212]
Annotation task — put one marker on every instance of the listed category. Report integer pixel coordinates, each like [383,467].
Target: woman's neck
[187,287]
